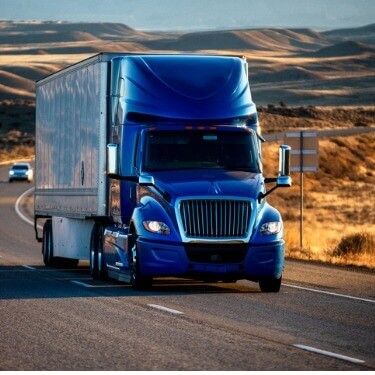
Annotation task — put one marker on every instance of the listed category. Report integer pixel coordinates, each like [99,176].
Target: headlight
[156,227]
[272,227]
[11,173]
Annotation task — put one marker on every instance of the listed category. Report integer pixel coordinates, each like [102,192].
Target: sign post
[304,158]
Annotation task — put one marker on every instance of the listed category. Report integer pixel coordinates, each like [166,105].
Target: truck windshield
[234,151]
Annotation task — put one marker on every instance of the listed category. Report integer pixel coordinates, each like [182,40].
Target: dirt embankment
[279,118]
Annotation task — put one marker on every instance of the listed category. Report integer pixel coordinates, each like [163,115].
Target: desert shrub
[355,244]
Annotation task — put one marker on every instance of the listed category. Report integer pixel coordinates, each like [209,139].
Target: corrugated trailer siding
[71,130]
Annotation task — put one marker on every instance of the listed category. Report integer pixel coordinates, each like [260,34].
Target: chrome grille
[215,218]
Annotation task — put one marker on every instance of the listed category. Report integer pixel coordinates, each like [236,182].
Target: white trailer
[71,138]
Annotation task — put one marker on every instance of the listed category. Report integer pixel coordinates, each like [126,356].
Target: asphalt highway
[323,318]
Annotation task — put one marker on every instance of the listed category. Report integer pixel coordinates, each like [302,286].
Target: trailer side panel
[71,138]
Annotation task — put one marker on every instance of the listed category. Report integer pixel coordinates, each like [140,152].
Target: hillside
[296,66]
[347,48]
[364,34]
[338,199]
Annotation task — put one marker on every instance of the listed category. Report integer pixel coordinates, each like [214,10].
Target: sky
[197,14]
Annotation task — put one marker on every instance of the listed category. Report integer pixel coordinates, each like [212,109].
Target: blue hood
[206,182]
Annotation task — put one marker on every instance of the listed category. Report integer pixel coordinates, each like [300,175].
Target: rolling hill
[296,66]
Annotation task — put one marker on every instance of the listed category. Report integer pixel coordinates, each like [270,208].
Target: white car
[21,171]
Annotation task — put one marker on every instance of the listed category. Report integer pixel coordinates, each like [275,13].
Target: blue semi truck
[150,166]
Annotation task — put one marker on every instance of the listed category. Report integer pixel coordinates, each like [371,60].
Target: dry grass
[339,200]
[355,244]
[17,152]
[17,127]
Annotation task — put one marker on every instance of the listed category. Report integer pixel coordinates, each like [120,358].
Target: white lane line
[28,267]
[329,293]
[167,309]
[18,211]
[97,286]
[329,354]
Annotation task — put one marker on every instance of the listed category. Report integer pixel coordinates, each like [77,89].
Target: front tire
[98,266]
[270,285]
[137,279]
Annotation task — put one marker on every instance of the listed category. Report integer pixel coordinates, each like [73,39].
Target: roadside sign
[304,158]
[304,154]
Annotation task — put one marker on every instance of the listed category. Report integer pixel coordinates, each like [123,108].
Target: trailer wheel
[98,266]
[137,280]
[47,245]
[47,250]
[270,285]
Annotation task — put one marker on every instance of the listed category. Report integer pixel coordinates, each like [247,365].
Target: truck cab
[187,195]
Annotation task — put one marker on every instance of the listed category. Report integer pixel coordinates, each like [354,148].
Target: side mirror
[284,179]
[112,160]
[146,181]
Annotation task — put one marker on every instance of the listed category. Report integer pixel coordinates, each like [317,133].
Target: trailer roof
[107,56]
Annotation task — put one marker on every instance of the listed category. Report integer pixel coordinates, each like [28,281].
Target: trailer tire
[137,279]
[47,250]
[270,285]
[47,245]
[98,266]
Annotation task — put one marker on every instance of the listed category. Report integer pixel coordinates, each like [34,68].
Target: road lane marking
[28,267]
[329,354]
[163,308]
[329,293]
[97,286]
[18,211]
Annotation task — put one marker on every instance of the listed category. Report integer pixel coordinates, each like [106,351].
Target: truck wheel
[137,280]
[270,285]
[47,250]
[47,244]
[98,266]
